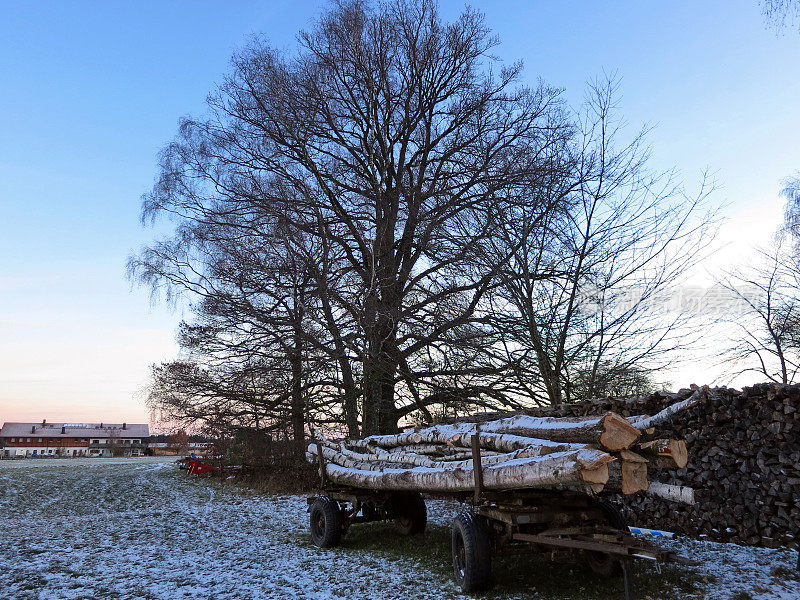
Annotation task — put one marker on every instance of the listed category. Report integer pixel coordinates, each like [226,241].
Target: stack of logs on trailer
[602,453]
[744,464]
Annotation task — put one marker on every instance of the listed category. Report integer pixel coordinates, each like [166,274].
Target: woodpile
[744,466]
[595,453]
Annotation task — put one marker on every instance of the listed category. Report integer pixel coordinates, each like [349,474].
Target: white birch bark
[514,433]
[673,493]
[642,422]
[410,459]
[570,469]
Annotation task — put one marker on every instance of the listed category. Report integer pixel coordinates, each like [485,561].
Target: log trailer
[494,523]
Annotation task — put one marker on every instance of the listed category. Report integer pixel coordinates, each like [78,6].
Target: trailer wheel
[599,562]
[409,513]
[472,558]
[326,522]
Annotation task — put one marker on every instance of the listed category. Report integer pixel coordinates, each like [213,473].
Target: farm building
[171,449]
[67,439]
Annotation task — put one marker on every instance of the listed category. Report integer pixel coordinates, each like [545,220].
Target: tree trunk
[297,402]
[380,365]
[379,372]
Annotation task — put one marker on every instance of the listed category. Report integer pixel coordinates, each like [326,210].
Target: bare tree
[583,296]
[113,442]
[246,355]
[768,340]
[780,14]
[178,442]
[391,144]
[791,192]
[383,225]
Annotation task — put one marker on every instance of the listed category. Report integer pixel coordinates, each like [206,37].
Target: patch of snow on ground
[142,530]
[760,572]
[139,529]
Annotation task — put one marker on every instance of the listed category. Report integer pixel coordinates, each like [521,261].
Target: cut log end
[679,453]
[629,456]
[597,476]
[596,488]
[667,454]
[618,433]
[634,477]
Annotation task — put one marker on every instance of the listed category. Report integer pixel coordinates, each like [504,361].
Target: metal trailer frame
[495,522]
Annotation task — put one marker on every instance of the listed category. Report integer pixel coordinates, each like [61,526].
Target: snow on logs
[610,431]
[591,453]
[585,469]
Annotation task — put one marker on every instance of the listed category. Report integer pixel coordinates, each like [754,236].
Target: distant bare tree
[244,355]
[781,13]
[585,296]
[178,442]
[114,443]
[614,380]
[791,192]
[768,340]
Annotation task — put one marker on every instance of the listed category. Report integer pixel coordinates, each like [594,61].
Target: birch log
[674,493]
[437,450]
[418,460]
[341,455]
[582,469]
[643,422]
[634,473]
[629,474]
[609,430]
[343,460]
[460,436]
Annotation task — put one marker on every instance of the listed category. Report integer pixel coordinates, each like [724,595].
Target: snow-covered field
[140,529]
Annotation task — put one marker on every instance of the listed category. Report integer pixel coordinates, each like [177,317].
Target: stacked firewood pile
[745,463]
[599,453]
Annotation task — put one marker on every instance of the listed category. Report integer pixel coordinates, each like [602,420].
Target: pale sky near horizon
[92,91]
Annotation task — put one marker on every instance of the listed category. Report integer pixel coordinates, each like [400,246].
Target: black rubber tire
[599,562]
[472,554]
[409,513]
[325,521]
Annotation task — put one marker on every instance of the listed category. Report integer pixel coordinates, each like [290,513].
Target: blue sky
[91,91]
